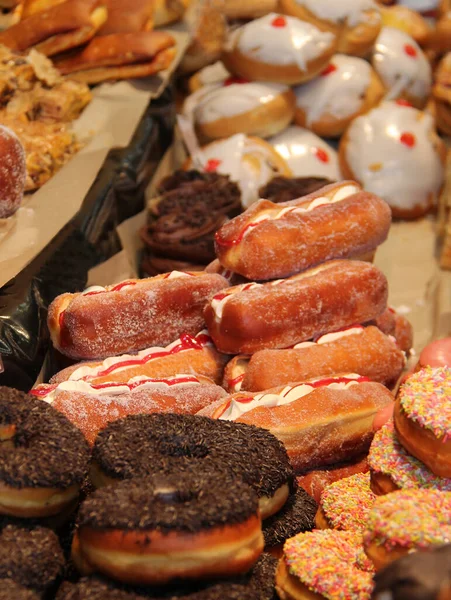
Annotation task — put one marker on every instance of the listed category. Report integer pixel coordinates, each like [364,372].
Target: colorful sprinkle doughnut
[389,459]
[346,503]
[407,520]
[329,563]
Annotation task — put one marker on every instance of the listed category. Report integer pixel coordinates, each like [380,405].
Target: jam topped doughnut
[325,564]
[423,418]
[405,521]
[153,530]
[29,556]
[346,503]
[144,444]
[43,457]
[13,172]
[392,467]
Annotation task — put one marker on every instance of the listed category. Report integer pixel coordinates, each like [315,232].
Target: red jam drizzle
[236,380]
[408,139]
[410,50]
[212,165]
[223,295]
[234,80]
[321,155]
[403,102]
[328,70]
[279,22]
[116,288]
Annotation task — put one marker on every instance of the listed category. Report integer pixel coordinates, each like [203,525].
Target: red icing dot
[212,165]
[321,155]
[402,102]
[328,70]
[232,80]
[408,139]
[410,50]
[279,22]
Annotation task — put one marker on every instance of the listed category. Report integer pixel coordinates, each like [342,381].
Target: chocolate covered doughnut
[167,443]
[43,457]
[157,529]
[282,189]
[10,589]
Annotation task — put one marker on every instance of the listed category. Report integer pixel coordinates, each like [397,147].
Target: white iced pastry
[352,12]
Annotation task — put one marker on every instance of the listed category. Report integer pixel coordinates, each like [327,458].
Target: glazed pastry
[356,349]
[402,66]
[260,109]
[162,528]
[345,89]
[440,39]
[345,504]
[393,151]
[143,445]
[442,95]
[406,521]
[251,317]
[320,422]
[324,564]
[409,21]
[90,407]
[249,161]
[306,154]
[13,173]
[270,241]
[423,418]
[131,315]
[355,23]
[189,208]
[282,189]
[436,354]
[43,457]
[393,468]
[278,49]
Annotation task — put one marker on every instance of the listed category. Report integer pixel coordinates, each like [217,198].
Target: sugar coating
[426,399]
[410,519]
[331,563]
[347,502]
[388,456]
[12,172]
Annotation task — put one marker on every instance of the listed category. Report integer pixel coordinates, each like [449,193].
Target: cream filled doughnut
[238,106]
[306,154]
[345,504]
[393,468]
[355,23]
[402,66]
[346,88]
[406,521]
[249,161]
[394,152]
[278,48]
[422,418]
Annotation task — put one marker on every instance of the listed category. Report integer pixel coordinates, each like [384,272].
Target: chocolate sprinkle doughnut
[283,189]
[297,515]
[258,584]
[30,556]
[186,502]
[141,445]
[49,451]
[10,590]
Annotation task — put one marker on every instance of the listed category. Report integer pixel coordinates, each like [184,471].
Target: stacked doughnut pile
[310,71]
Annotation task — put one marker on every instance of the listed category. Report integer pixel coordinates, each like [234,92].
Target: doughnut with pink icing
[346,88]
[320,422]
[345,504]
[278,48]
[355,23]
[394,152]
[306,154]
[249,161]
[402,66]
[406,521]
[422,418]
[238,106]
[392,467]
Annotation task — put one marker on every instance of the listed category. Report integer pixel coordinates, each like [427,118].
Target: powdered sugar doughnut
[346,88]
[325,564]
[394,152]
[393,468]
[355,23]
[306,154]
[238,106]
[345,504]
[249,161]
[402,66]
[280,49]
[13,172]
